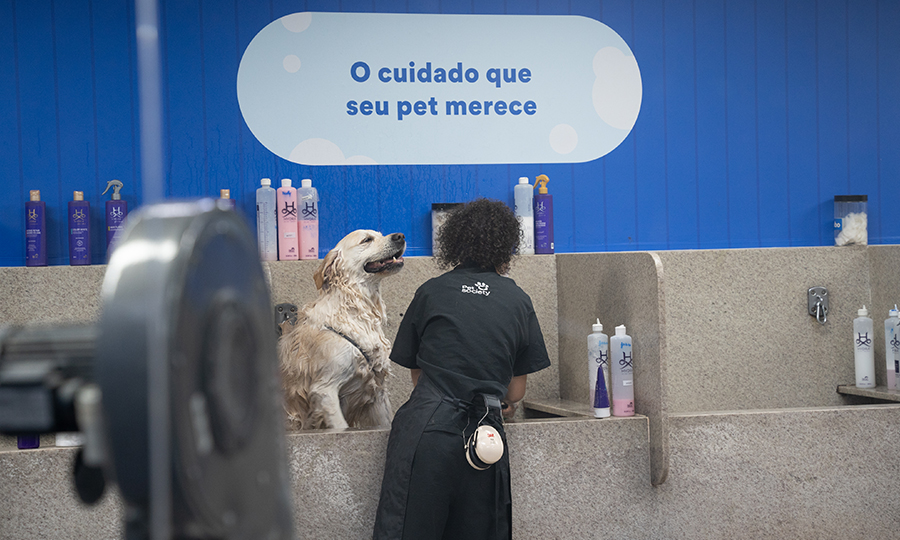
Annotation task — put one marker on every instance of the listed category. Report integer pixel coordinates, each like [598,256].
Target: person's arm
[414,374]
[514,393]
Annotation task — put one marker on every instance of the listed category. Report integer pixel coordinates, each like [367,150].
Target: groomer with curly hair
[470,338]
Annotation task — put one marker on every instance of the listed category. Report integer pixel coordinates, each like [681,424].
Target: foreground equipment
[175,390]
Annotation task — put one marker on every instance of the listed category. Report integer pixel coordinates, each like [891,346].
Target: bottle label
[289,211]
[626,363]
[310,211]
[863,341]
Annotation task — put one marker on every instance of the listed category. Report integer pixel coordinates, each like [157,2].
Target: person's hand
[508,409]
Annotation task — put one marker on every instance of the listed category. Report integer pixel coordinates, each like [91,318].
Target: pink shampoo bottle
[288,245]
[622,367]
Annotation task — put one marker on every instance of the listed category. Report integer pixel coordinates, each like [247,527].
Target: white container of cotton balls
[850,220]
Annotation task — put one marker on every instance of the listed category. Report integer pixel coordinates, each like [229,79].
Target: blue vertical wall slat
[390,6]
[888,127]
[426,189]
[39,135]
[362,184]
[680,121]
[280,8]
[395,193]
[651,186]
[460,181]
[831,94]
[741,109]
[12,207]
[619,201]
[115,99]
[75,97]
[771,113]
[561,185]
[710,107]
[862,108]
[256,161]
[185,112]
[222,117]
[802,168]
[588,223]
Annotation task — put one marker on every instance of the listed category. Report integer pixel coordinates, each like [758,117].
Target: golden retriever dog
[335,358]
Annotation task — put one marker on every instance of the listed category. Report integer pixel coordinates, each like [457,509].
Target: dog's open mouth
[394,262]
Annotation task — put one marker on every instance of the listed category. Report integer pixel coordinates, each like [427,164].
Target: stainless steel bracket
[817,303]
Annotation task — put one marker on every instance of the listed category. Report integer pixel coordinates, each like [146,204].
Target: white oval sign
[391,89]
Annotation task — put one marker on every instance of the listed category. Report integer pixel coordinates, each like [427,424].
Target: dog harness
[355,344]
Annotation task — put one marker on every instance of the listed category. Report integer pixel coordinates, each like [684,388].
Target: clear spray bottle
[116,211]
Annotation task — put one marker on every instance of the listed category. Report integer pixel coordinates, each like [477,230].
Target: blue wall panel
[650,146]
[887,125]
[771,115]
[754,115]
[803,170]
[831,93]
[38,126]
[741,134]
[711,120]
[12,210]
[681,126]
[114,104]
[862,107]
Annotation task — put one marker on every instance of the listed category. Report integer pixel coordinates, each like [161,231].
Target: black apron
[481,497]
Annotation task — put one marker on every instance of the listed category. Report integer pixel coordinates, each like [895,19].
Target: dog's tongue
[377,266]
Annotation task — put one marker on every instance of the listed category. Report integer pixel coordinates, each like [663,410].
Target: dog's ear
[328,269]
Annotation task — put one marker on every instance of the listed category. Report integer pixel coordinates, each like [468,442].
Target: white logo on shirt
[479,288]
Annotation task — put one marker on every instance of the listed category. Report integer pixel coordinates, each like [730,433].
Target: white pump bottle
[863,349]
[892,346]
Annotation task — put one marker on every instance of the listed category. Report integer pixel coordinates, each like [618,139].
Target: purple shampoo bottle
[543,217]
[35,230]
[79,230]
[225,200]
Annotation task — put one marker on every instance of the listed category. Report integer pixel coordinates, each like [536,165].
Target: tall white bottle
[308,226]
[288,246]
[621,357]
[892,346]
[598,361]
[598,366]
[524,199]
[266,218]
[863,350]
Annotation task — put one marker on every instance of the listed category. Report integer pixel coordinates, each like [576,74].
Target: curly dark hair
[484,233]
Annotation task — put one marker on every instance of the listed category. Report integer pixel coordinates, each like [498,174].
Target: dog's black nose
[397,237]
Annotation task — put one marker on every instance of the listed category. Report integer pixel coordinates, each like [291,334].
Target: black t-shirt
[471,331]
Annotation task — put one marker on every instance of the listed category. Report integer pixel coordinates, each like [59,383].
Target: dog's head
[362,255]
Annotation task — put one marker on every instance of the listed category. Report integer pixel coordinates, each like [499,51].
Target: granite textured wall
[793,462]
[756,475]
[739,334]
